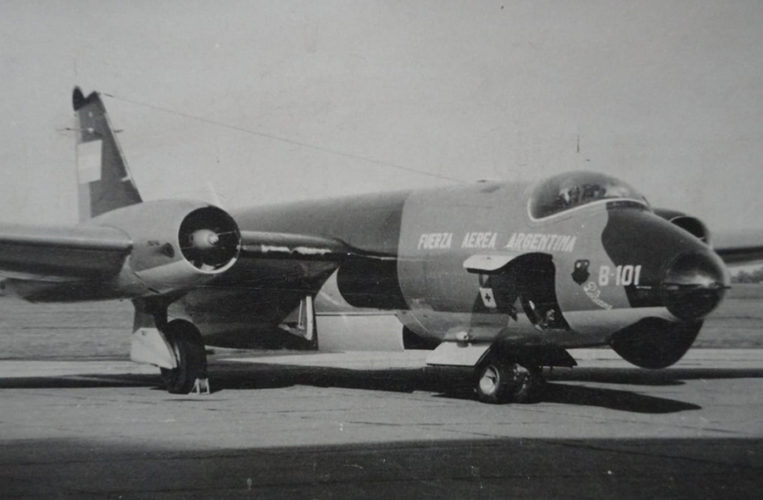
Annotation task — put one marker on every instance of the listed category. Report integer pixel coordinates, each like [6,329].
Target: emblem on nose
[580,274]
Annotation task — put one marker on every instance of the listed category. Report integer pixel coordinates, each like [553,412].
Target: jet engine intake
[692,225]
[209,239]
[694,284]
[654,342]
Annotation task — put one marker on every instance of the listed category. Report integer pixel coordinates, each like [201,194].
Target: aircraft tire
[492,381]
[188,347]
[499,382]
[527,384]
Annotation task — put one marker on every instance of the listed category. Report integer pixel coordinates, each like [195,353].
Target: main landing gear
[190,375]
[500,380]
[175,346]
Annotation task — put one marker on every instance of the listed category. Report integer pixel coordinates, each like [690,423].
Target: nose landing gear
[500,381]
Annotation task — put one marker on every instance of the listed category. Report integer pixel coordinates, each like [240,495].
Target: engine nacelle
[686,222]
[177,244]
[654,342]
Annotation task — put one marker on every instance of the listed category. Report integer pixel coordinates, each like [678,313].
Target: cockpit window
[573,189]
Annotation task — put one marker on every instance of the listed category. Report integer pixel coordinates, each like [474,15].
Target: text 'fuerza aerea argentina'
[536,242]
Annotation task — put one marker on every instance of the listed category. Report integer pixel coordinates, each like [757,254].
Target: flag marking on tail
[89,161]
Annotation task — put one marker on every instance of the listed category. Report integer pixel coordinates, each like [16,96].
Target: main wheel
[501,381]
[186,343]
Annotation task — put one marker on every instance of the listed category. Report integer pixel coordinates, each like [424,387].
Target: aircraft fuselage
[473,263]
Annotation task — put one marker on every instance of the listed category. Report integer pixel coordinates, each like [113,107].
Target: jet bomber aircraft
[498,279]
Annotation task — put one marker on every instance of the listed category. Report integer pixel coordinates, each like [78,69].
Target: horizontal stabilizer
[61,253]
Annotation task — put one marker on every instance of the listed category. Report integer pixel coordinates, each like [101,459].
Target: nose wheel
[499,381]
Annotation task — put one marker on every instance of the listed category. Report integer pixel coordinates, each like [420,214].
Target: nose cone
[694,284]
[680,272]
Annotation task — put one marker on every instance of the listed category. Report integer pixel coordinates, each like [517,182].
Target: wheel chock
[201,386]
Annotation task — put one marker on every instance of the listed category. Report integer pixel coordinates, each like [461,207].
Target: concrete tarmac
[379,425]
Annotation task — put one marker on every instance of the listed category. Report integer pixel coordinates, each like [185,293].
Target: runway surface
[373,425]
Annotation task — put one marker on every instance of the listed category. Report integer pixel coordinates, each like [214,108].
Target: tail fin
[104,180]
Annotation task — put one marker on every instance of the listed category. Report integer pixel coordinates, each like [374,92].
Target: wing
[61,253]
[90,262]
[746,248]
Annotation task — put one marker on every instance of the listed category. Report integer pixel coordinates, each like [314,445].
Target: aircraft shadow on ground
[85,381]
[613,399]
[564,386]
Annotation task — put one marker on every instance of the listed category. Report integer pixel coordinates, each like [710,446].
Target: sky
[265,102]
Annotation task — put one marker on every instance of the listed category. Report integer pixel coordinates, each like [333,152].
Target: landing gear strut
[501,381]
[188,348]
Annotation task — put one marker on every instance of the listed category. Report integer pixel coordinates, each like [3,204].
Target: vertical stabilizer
[104,180]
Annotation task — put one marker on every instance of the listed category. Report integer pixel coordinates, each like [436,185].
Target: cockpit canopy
[574,189]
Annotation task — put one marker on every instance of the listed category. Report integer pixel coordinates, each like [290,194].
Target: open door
[301,321]
[508,282]
[537,292]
